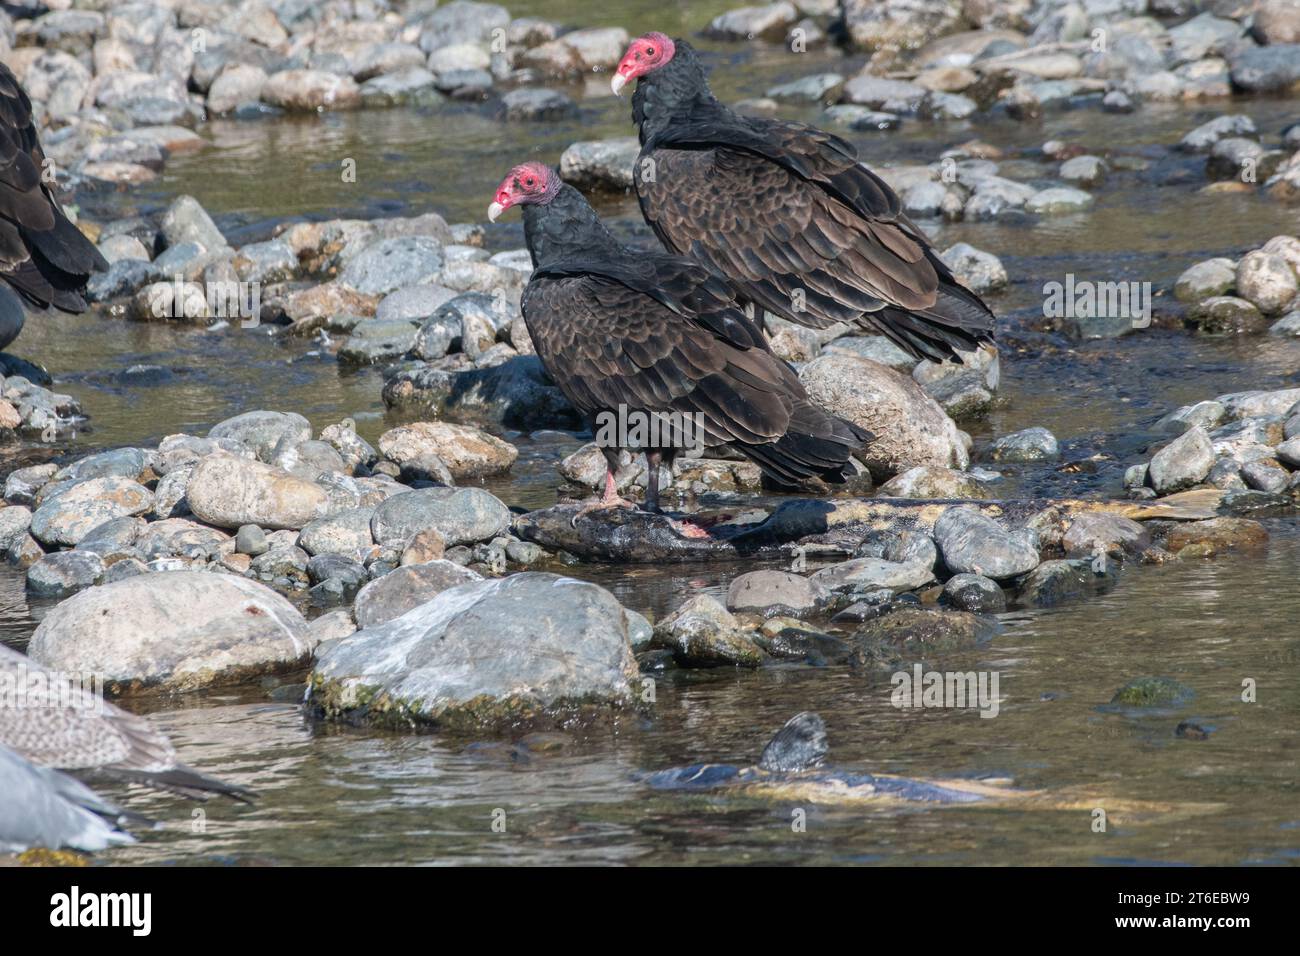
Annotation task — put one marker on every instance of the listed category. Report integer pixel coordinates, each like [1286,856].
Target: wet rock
[1205,280]
[1259,403]
[1267,281]
[774,592]
[974,592]
[1058,200]
[64,573]
[412,86]
[523,648]
[263,430]
[605,163]
[864,575]
[408,587]
[973,543]
[311,91]
[173,630]
[1031,444]
[236,85]
[910,635]
[231,492]
[979,271]
[460,515]
[1227,315]
[1183,463]
[1203,138]
[1112,534]
[467,452]
[374,341]
[1267,69]
[1152,692]
[1061,581]
[702,633]
[1265,475]
[187,221]
[68,516]
[1088,170]
[1204,539]
[910,427]
[930,481]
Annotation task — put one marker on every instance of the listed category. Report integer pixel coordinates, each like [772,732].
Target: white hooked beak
[617,83]
[495,210]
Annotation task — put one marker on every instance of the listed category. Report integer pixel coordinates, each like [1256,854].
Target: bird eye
[649,51]
[528,181]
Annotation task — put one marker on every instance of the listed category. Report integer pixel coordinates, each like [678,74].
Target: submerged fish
[790,768]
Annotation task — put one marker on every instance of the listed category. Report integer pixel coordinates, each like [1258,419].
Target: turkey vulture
[52,723]
[44,258]
[631,331]
[786,213]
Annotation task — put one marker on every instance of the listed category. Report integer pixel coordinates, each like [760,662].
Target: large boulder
[911,428]
[530,647]
[230,492]
[172,630]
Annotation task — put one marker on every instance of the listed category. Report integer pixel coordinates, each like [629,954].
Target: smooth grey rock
[973,543]
[1031,444]
[347,533]
[761,590]
[410,586]
[172,630]
[460,515]
[390,264]
[858,575]
[1057,582]
[63,573]
[703,633]
[486,651]
[1182,463]
[974,592]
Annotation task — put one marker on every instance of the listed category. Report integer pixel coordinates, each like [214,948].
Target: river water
[342,795]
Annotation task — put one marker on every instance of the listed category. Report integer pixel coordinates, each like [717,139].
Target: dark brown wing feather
[680,346]
[43,256]
[800,227]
